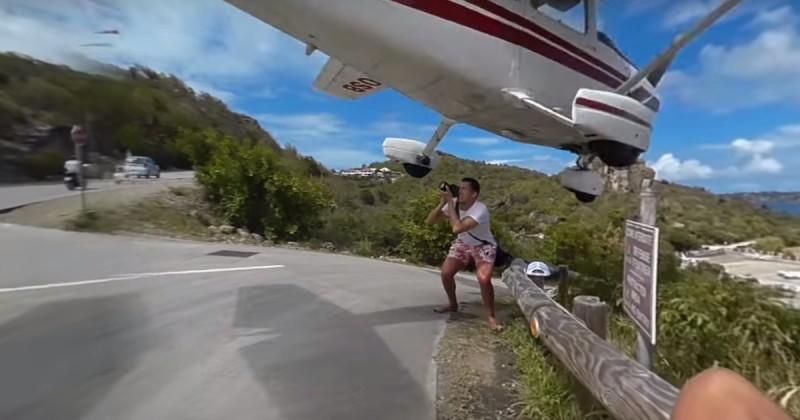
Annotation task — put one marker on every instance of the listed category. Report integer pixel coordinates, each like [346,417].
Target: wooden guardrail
[624,387]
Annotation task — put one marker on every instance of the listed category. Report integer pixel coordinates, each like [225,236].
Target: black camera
[453,188]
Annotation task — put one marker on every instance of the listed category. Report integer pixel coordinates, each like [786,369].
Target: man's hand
[447,196]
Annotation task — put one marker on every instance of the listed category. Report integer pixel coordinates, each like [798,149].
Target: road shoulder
[57,212]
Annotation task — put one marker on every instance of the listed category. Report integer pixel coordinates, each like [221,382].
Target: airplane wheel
[615,154]
[584,198]
[416,171]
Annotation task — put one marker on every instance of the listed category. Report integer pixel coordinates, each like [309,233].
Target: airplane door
[502,10]
[558,30]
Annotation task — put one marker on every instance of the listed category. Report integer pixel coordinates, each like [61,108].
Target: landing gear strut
[584,160]
[418,158]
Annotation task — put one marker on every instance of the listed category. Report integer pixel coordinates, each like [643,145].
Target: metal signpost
[79,137]
[640,276]
[639,287]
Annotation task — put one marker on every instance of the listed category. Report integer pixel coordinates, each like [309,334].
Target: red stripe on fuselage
[506,14]
[609,109]
[573,59]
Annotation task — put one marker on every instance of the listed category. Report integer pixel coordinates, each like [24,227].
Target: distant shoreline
[790,207]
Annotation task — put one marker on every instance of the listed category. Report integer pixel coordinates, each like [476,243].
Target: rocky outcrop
[625,180]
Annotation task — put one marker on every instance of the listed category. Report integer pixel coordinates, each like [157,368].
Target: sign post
[640,276]
[79,138]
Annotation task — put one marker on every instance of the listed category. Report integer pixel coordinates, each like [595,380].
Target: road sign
[640,277]
[78,135]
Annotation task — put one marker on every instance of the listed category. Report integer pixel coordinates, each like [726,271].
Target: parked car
[141,166]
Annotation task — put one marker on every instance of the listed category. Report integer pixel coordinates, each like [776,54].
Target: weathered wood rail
[624,387]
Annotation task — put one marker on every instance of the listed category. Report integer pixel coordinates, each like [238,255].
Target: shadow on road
[328,363]
[60,358]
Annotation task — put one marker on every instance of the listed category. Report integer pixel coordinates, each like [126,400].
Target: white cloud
[751,147]
[757,151]
[671,168]
[547,164]
[503,152]
[760,71]
[760,164]
[481,141]
[668,167]
[688,11]
[503,161]
[208,43]
[763,162]
[784,137]
[685,13]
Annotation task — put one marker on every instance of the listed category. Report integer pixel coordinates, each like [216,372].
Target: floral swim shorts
[463,252]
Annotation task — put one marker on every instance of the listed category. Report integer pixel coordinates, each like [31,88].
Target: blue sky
[729,119]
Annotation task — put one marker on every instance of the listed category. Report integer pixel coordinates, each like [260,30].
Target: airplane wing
[656,68]
[345,82]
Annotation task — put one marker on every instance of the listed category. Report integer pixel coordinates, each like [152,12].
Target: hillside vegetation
[247,181]
[136,110]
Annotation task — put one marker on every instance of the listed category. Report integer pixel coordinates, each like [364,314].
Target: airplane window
[571,13]
[605,39]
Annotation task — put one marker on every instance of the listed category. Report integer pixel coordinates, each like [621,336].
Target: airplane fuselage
[455,56]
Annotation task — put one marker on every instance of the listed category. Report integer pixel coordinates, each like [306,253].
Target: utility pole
[79,137]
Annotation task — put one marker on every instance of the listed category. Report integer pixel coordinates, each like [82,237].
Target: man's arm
[437,215]
[459,226]
[477,214]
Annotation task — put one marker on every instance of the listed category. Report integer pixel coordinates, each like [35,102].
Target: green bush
[739,325]
[423,243]
[770,244]
[252,188]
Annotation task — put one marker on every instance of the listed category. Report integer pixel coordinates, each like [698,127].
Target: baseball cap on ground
[537,268]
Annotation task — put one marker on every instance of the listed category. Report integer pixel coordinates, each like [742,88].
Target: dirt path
[476,374]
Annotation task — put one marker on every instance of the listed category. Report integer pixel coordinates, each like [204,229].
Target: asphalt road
[107,327]
[12,196]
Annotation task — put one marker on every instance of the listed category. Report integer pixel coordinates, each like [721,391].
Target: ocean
[791,207]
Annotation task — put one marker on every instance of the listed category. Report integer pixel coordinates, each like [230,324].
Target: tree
[252,188]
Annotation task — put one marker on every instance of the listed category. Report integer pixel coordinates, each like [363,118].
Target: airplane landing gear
[418,158]
[585,183]
[615,154]
[584,160]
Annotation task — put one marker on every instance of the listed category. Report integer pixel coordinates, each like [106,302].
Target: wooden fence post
[563,285]
[594,314]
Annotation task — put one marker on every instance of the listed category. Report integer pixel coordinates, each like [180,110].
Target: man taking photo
[475,242]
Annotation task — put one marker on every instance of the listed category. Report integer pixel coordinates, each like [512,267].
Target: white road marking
[135,276]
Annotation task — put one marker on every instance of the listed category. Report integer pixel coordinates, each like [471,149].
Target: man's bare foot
[446,308]
[494,325]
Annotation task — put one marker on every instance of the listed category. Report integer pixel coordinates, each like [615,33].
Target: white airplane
[503,66]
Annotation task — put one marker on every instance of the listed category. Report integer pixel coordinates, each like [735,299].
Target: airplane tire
[416,171]
[615,154]
[584,197]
